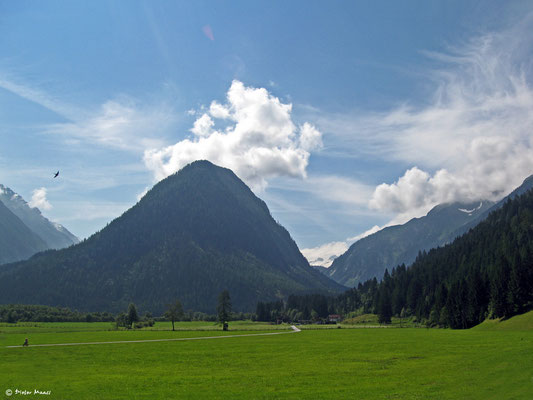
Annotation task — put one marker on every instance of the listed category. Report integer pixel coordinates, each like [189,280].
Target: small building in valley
[334,318]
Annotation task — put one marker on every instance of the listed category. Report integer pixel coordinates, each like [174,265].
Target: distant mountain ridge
[55,235]
[24,231]
[17,241]
[401,244]
[194,234]
[485,273]
[523,188]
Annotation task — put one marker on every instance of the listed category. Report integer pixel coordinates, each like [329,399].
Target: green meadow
[493,361]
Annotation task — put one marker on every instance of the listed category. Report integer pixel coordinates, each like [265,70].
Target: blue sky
[343,116]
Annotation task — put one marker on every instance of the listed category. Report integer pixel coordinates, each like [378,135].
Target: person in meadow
[25,342]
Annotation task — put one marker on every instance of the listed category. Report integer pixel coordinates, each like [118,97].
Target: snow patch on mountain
[469,212]
[53,234]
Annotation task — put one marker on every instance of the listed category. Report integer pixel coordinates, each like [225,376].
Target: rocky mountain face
[54,235]
[24,231]
[17,241]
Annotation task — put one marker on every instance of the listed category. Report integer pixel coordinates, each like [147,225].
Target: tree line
[486,273]
[13,313]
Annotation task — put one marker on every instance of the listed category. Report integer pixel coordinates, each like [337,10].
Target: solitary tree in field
[174,312]
[224,308]
[132,314]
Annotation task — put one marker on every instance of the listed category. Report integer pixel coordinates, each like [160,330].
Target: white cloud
[39,200]
[217,110]
[310,137]
[141,195]
[412,190]
[121,123]
[38,96]
[325,254]
[366,233]
[473,138]
[203,126]
[261,141]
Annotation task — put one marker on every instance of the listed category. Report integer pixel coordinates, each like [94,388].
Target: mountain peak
[202,164]
[194,234]
[17,241]
[53,234]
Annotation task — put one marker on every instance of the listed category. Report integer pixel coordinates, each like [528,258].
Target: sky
[344,116]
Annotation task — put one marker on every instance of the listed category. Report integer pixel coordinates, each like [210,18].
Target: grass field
[409,363]
[519,322]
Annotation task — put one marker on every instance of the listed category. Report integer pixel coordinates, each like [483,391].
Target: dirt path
[294,330]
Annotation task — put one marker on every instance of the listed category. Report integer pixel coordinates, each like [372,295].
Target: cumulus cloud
[475,139]
[258,141]
[219,111]
[416,189]
[39,200]
[203,126]
[310,137]
[472,140]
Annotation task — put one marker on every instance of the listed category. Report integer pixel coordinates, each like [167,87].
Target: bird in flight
[56,174]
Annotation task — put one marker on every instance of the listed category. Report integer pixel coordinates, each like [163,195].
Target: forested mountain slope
[400,244]
[196,233]
[488,272]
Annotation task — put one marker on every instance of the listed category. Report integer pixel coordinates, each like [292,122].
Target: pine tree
[498,290]
[132,315]
[260,312]
[224,308]
[384,306]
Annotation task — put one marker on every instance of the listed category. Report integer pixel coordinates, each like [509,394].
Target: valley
[266,200]
[319,363]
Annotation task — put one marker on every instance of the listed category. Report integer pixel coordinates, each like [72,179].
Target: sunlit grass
[516,323]
[315,364]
